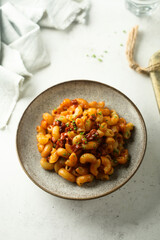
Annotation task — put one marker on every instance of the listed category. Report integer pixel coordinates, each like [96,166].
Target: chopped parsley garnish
[100,113]
[67,124]
[64,154]
[121,45]
[85,142]
[105,51]
[114,160]
[124,31]
[127,133]
[81,133]
[115,150]
[94,56]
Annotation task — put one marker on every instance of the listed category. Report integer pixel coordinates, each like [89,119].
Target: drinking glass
[142,7]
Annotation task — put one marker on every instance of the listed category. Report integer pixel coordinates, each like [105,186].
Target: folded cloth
[22,51]
[57,14]
[12,61]
[10,85]
[20,33]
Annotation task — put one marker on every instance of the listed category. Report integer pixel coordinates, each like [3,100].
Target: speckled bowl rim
[115,188]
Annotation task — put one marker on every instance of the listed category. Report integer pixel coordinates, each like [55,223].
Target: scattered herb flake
[124,31]
[100,60]
[105,51]
[85,142]
[87,55]
[100,113]
[121,45]
[94,56]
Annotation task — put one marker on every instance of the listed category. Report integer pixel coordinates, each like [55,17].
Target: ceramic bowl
[90,90]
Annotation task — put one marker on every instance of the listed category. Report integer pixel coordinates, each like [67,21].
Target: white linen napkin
[22,34]
[10,85]
[22,51]
[57,14]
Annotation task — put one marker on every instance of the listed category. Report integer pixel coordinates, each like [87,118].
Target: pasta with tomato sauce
[83,141]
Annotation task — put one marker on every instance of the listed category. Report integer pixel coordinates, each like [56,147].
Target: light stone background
[133,212]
